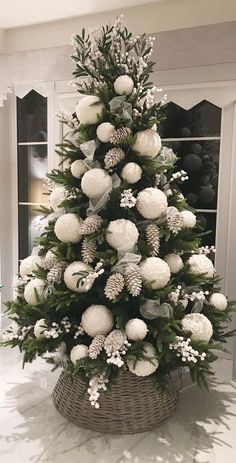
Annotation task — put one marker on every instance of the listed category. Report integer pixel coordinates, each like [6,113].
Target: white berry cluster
[180,175]
[79,331]
[196,296]
[68,119]
[88,280]
[53,332]
[207,250]
[127,199]
[150,96]
[16,332]
[184,350]
[96,384]
[174,296]
[116,357]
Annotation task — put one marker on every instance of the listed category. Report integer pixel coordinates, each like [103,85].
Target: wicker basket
[132,405]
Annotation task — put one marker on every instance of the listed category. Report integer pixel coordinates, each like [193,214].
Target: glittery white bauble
[123,85]
[189,219]
[71,279]
[151,203]
[131,172]
[67,228]
[136,329]
[97,319]
[57,196]
[78,168]
[147,143]
[95,183]
[78,352]
[122,234]
[198,325]
[89,109]
[29,264]
[145,367]
[175,262]
[34,286]
[105,131]
[155,271]
[200,263]
[219,301]
[39,328]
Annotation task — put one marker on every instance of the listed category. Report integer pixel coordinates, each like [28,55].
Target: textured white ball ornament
[155,271]
[174,261]
[189,219]
[200,263]
[97,319]
[136,329]
[151,203]
[71,279]
[29,264]
[78,352]
[145,367]
[198,325]
[123,85]
[131,172]
[78,168]
[147,143]
[35,285]
[105,131]
[57,196]
[219,301]
[95,183]
[67,228]
[89,109]
[122,234]
[39,328]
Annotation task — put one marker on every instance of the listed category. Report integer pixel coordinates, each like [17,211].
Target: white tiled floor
[203,429]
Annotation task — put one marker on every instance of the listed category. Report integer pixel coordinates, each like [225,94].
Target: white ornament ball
[95,183]
[39,328]
[200,263]
[151,203]
[78,352]
[105,131]
[145,367]
[198,325]
[122,234]
[71,279]
[57,196]
[175,262]
[97,319]
[219,301]
[123,85]
[155,271]
[78,168]
[89,109]
[131,172]
[147,143]
[34,286]
[29,264]
[189,219]
[136,329]
[67,228]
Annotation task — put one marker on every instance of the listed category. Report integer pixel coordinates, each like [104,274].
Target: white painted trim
[14,186]
[191,139]
[30,143]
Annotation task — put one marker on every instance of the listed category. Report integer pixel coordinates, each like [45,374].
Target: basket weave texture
[132,405]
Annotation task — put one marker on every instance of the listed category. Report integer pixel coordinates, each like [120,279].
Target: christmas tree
[121,282]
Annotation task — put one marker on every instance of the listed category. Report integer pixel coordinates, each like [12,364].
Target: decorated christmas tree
[121,284]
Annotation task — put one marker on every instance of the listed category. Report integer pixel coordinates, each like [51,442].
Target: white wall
[164,16]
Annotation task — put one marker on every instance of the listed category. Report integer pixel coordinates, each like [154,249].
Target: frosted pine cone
[55,274]
[114,286]
[96,346]
[174,221]
[133,279]
[114,341]
[121,136]
[113,157]
[153,239]
[88,250]
[91,224]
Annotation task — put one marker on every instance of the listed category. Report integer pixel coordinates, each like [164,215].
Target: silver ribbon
[59,357]
[125,258]
[88,149]
[96,205]
[152,309]
[197,307]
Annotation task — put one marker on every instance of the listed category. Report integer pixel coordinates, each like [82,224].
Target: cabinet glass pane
[29,229]
[32,169]
[32,118]
[200,159]
[207,222]
[202,120]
